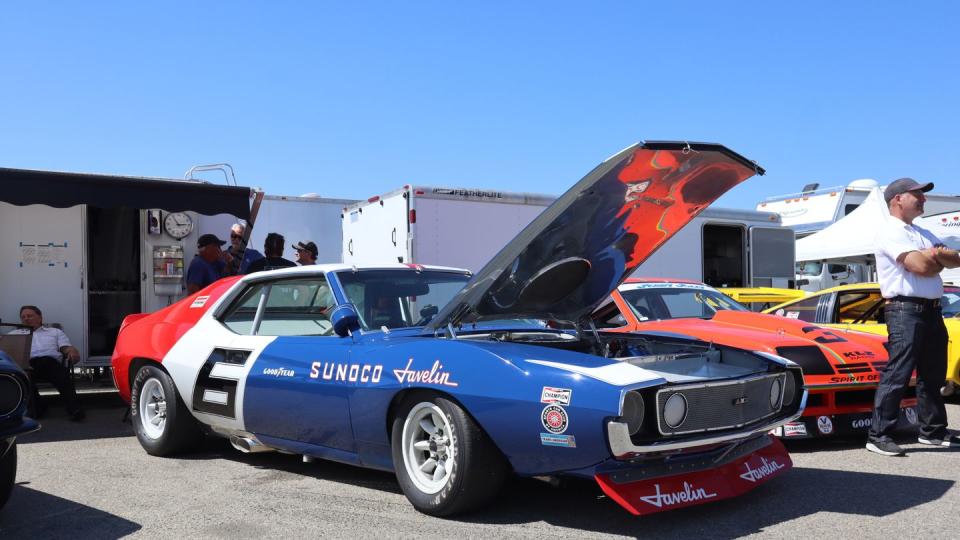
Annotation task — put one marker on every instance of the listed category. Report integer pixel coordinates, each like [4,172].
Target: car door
[298,387]
[859,309]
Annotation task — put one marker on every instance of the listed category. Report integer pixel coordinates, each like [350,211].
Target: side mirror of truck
[802,282]
[345,319]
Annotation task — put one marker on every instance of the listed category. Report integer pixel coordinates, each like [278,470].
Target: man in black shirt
[273,249]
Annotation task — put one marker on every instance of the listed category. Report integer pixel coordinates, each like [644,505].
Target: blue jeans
[917,339]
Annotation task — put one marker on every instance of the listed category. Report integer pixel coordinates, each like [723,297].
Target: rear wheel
[8,472]
[161,420]
[445,463]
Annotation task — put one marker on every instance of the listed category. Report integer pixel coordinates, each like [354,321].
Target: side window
[804,310]
[837,268]
[239,317]
[297,307]
[859,307]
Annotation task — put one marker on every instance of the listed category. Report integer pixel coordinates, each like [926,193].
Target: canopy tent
[849,239]
[63,190]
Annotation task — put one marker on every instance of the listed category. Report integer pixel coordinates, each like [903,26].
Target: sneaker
[885,448]
[949,441]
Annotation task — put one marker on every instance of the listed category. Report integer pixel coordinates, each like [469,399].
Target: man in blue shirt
[208,264]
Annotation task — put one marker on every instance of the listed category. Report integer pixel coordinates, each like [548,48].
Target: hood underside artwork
[575,253]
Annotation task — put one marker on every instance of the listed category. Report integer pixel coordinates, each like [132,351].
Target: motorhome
[814,210]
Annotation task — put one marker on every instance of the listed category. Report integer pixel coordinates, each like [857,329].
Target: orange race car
[841,368]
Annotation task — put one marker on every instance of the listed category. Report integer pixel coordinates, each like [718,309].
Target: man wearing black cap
[273,259]
[306,253]
[208,264]
[909,261]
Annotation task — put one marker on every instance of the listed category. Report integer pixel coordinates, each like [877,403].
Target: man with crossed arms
[909,262]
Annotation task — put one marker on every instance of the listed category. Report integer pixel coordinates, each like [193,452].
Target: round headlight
[675,410]
[776,392]
[789,389]
[633,411]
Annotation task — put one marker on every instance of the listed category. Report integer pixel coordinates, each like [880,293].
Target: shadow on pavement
[48,516]
[104,414]
[580,504]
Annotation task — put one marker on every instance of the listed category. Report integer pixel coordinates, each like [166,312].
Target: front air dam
[669,492]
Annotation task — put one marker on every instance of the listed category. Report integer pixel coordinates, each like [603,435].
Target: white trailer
[727,248]
[466,227]
[298,219]
[456,227]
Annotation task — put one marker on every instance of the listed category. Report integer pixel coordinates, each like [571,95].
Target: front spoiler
[731,479]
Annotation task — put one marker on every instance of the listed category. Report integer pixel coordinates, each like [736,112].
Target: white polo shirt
[894,238]
[46,341]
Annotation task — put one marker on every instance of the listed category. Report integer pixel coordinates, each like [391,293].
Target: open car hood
[578,250]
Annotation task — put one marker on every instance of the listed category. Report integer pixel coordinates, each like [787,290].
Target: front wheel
[161,420]
[445,463]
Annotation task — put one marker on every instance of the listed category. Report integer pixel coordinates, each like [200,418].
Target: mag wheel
[161,420]
[445,463]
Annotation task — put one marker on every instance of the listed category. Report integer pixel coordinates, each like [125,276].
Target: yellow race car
[859,307]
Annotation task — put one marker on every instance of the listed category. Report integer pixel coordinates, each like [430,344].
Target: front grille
[809,357]
[11,394]
[720,405]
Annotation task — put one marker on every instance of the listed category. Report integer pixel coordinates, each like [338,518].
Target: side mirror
[345,319]
[802,282]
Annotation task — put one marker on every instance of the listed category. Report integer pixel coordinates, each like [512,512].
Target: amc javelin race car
[860,307]
[455,382]
[841,369]
[13,408]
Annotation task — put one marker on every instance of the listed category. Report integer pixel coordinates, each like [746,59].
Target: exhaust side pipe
[248,445]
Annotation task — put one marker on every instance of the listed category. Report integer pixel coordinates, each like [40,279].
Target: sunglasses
[234,235]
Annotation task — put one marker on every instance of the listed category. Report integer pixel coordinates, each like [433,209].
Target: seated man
[45,351]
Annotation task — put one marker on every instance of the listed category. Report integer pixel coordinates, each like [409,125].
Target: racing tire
[159,416]
[8,473]
[445,463]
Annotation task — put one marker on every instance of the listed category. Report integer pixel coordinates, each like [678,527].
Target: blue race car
[14,393]
[455,381]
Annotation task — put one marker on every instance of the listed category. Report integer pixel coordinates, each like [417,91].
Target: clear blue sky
[353,99]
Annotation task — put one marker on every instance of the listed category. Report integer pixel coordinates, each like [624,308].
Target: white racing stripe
[618,373]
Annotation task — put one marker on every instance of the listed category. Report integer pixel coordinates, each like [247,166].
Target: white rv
[827,260]
[815,208]
[466,227]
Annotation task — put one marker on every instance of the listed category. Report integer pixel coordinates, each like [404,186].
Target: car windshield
[809,268]
[657,301]
[951,301]
[399,298]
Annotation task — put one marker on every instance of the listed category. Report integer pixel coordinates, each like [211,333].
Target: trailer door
[376,233]
[42,250]
[724,255]
[772,256]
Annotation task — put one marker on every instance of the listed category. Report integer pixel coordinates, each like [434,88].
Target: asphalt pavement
[93,480]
